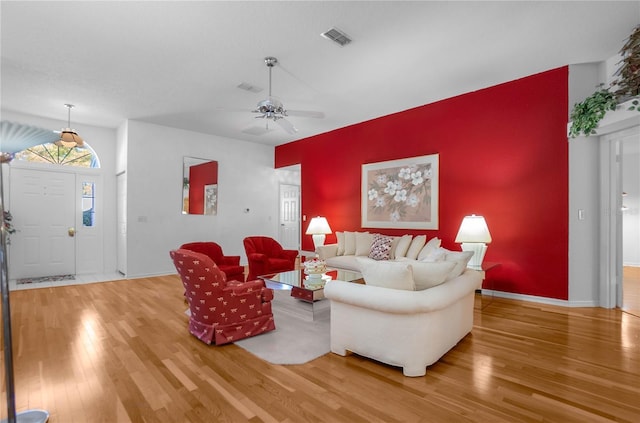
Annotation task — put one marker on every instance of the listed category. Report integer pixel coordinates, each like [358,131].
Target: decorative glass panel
[88,204]
[64,156]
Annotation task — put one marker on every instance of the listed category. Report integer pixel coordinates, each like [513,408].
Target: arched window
[64,156]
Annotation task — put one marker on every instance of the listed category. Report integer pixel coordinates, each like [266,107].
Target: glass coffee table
[309,290]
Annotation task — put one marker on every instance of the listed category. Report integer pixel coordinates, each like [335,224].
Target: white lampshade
[473,229]
[318,228]
[473,236]
[318,225]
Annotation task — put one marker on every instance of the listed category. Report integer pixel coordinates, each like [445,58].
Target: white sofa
[401,327]
[350,245]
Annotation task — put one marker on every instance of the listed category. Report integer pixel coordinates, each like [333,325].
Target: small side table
[483,269]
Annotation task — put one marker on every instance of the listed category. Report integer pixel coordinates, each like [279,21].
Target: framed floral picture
[211,199]
[401,193]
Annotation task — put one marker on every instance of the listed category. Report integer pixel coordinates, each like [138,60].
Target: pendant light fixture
[69,137]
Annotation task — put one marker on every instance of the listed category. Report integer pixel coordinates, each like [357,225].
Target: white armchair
[409,329]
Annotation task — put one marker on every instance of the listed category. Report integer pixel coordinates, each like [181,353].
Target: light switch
[580,214]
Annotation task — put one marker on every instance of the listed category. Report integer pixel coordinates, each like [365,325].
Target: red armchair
[230,265]
[221,311]
[266,256]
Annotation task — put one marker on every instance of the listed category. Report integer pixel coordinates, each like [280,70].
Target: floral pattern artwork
[401,193]
[211,199]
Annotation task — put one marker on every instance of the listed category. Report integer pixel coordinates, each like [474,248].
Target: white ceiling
[179,63]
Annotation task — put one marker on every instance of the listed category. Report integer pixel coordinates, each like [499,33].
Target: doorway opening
[289,230]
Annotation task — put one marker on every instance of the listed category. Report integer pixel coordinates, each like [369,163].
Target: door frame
[610,131]
[299,215]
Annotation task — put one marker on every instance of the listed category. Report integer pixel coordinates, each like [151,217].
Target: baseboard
[630,264]
[542,300]
[149,275]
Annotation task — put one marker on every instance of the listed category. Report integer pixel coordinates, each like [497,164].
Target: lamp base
[479,249]
[318,240]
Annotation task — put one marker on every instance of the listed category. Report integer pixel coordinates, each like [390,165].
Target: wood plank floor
[120,352]
[631,290]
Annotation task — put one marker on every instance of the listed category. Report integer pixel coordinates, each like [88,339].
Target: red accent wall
[199,176]
[503,154]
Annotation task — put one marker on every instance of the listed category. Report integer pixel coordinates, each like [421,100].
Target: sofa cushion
[363,243]
[460,258]
[416,246]
[386,274]
[343,262]
[427,275]
[340,240]
[349,243]
[430,249]
[403,246]
[381,247]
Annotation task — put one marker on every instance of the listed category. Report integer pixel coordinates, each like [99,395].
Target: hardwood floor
[120,352]
[631,290]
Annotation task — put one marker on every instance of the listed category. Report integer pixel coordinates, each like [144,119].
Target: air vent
[337,36]
[248,87]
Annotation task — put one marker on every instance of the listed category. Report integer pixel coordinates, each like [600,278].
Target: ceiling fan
[272,109]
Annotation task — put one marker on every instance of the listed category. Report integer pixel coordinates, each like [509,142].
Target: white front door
[43,206]
[290,216]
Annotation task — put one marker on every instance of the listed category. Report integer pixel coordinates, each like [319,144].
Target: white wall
[246,179]
[584,180]
[103,141]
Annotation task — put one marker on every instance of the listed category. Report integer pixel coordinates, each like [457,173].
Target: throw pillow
[349,243]
[363,243]
[460,258]
[386,274]
[415,247]
[394,244]
[428,275]
[435,255]
[429,249]
[340,238]
[381,247]
[403,246]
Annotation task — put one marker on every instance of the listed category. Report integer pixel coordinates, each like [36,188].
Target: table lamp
[474,235]
[318,228]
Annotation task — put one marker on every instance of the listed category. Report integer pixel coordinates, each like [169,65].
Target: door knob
[72,232]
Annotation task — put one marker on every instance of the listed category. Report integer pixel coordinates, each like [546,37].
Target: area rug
[295,340]
[56,278]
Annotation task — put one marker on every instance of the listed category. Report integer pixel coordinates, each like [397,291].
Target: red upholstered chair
[230,265]
[266,256]
[221,311]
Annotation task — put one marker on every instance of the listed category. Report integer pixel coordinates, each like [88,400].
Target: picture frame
[401,194]
[211,199]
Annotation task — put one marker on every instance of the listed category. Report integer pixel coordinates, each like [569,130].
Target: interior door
[290,216]
[43,208]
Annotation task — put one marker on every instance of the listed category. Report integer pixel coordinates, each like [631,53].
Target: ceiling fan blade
[287,126]
[306,113]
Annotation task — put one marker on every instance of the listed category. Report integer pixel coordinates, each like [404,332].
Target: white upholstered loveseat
[405,328]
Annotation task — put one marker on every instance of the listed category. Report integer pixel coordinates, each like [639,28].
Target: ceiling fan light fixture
[271,107]
[337,36]
[69,137]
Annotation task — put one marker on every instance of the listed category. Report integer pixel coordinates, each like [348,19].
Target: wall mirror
[199,186]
